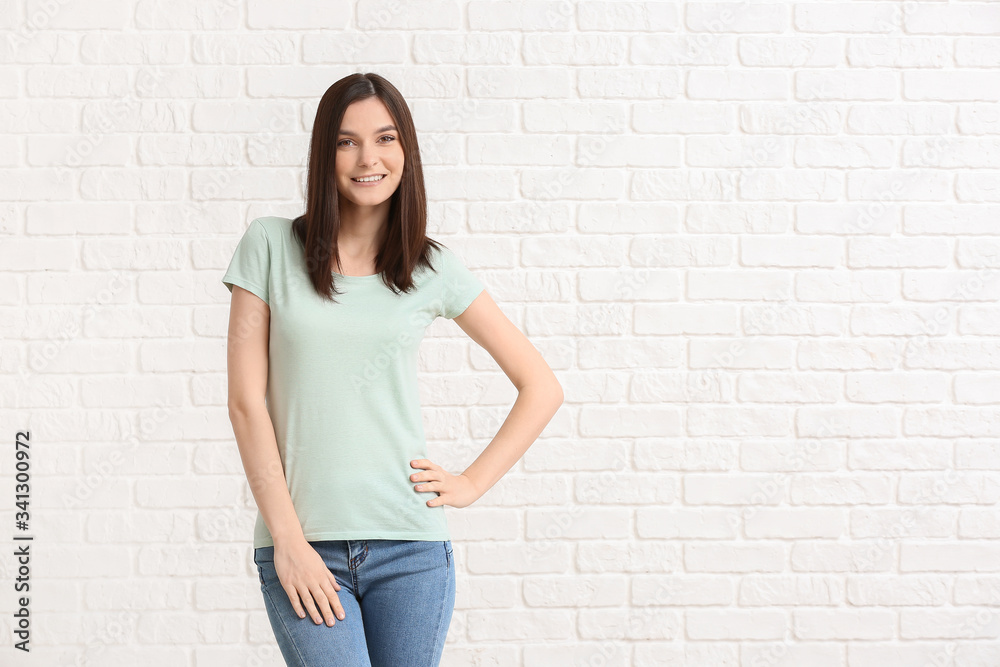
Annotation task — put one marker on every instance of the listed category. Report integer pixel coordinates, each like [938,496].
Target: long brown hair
[405,245]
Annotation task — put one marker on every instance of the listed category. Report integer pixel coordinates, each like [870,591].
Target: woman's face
[368,143]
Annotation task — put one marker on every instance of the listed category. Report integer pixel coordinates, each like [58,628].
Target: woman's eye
[341,142]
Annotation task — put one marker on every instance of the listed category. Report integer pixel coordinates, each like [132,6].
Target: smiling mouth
[369,179]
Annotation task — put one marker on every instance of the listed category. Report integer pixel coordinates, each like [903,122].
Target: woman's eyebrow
[387,128]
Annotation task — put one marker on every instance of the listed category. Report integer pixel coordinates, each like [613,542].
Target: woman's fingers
[341,614]
[332,596]
[312,589]
[323,598]
[321,602]
[293,597]
[307,606]
[314,613]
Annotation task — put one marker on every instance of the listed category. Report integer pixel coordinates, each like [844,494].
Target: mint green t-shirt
[342,387]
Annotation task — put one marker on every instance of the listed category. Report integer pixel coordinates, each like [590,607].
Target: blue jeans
[398,597]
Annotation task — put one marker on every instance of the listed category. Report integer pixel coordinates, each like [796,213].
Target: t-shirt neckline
[340,276]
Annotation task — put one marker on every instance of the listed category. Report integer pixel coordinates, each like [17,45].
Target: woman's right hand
[303,574]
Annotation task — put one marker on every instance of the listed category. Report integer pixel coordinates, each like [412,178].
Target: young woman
[327,313]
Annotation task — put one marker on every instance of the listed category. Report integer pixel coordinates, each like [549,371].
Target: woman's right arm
[300,568]
[247,361]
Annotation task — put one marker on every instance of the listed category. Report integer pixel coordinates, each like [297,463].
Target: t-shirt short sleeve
[251,262]
[459,286]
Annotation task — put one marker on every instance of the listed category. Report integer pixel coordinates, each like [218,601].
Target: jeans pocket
[447,551]
[260,574]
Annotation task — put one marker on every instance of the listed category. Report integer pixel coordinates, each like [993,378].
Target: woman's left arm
[539,396]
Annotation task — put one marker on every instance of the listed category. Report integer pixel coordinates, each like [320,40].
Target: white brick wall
[758,242]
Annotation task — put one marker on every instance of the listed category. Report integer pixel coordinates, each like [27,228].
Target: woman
[327,315]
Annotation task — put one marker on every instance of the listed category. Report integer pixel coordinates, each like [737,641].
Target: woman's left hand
[454,490]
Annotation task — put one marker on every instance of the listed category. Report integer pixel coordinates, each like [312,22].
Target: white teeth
[370,179]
